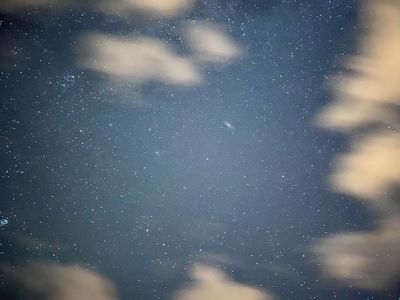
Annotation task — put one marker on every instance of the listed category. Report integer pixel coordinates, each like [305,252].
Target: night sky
[165,156]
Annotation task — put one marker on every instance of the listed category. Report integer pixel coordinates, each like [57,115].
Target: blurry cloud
[346,115]
[210,43]
[368,260]
[162,8]
[158,8]
[138,59]
[366,105]
[366,93]
[370,95]
[372,169]
[61,282]
[210,284]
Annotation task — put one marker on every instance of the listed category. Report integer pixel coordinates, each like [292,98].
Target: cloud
[370,95]
[161,8]
[128,59]
[366,105]
[210,43]
[367,260]
[157,8]
[372,169]
[346,115]
[369,91]
[138,59]
[61,282]
[210,284]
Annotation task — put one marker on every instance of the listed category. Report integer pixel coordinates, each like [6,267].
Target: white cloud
[161,8]
[211,284]
[138,59]
[369,260]
[371,169]
[368,99]
[210,43]
[367,93]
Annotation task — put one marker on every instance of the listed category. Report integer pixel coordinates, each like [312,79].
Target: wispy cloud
[162,8]
[368,260]
[210,43]
[209,284]
[157,8]
[58,281]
